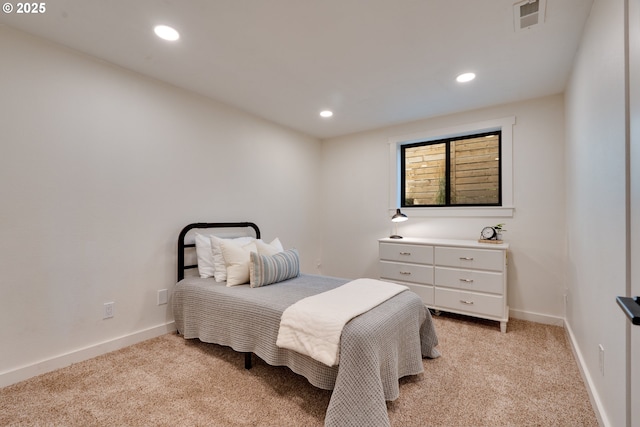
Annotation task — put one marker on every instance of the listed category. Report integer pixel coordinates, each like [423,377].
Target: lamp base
[395,236]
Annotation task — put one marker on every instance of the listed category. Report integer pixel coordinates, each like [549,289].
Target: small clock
[488,233]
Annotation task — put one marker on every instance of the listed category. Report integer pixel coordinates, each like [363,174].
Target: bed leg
[247,361]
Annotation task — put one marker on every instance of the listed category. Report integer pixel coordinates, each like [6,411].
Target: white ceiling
[373,62]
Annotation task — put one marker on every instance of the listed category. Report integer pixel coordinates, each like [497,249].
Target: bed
[377,347]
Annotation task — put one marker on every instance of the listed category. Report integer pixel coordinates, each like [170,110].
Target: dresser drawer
[470,280]
[478,259]
[406,272]
[406,253]
[470,302]
[424,291]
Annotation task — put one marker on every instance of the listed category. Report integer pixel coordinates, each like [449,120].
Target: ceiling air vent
[528,13]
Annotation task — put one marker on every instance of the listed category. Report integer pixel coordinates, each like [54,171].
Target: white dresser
[458,276]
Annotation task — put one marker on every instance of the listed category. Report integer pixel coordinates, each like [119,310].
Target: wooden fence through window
[474,168]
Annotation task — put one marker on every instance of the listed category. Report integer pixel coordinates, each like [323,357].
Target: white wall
[633,356]
[355,181]
[595,159]
[100,168]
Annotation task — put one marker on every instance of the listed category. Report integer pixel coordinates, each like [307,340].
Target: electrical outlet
[601,358]
[163,296]
[108,310]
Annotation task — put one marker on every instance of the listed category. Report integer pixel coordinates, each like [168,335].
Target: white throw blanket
[313,325]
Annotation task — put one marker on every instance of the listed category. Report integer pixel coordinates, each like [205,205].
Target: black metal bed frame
[182,246]
[203,225]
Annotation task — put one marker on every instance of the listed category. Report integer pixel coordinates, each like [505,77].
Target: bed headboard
[182,244]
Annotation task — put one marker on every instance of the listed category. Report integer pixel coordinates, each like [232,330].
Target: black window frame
[447,142]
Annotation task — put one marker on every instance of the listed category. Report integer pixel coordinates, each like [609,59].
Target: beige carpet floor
[527,377]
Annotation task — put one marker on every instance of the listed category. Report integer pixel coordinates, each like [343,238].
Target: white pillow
[205,257]
[219,267]
[269,248]
[237,258]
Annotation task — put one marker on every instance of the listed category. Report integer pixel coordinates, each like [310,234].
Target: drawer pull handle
[467,280]
[405,253]
[466,302]
[405,272]
[466,258]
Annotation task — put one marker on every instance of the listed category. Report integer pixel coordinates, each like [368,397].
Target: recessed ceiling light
[326,113]
[167,33]
[465,77]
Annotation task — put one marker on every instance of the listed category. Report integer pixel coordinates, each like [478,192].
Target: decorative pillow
[269,248]
[219,267]
[237,259]
[205,257]
[268,269]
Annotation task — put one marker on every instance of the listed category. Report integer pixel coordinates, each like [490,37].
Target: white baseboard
[63,360]
[596,402]
[536,317]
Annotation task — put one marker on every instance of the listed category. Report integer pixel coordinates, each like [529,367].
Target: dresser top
[445,242]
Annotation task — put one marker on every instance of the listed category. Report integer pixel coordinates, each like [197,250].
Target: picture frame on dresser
[457,276]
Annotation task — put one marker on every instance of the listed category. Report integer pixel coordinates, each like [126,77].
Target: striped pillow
[268,269]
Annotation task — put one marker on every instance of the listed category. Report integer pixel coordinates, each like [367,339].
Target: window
[502,204]
[456,171]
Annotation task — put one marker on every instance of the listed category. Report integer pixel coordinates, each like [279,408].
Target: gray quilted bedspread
[376,348]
